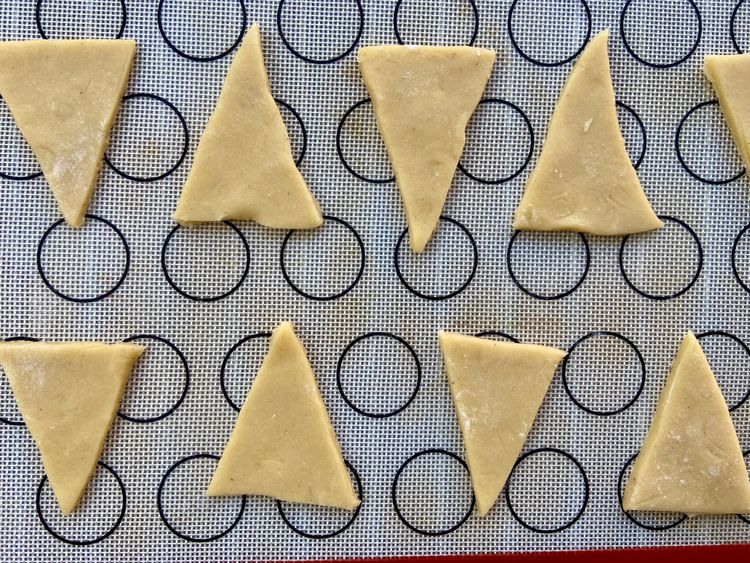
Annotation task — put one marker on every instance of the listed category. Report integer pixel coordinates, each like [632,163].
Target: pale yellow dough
[730,76]
[64,95]
[584,180]
[423,98]
[244,169]
[497,389]
[691,460]
[68,395]
[283,444]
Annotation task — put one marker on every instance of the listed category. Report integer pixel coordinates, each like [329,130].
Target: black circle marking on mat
[740,516]
[19,178]
[343,528]
[298,117]
[104,295]
[487,333]
[185,387]
[310,60]
[641,60]
[474,11]
[106,534]
[641,384]
[641,126]
[530,152]
[185,144]
[40,28]
[193,58]
[411,398]
[222,373]
[4,420]
[531,59]
[341,153]
[586,491]
[397,509]
[676,294]
[360,272]
[653,528]
[160,507]
[735,270]
[732,23]
[678,150]
[516,281]
[744,346]
[216,297]
[475,252]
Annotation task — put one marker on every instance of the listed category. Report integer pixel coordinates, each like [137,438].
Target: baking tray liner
[203,300]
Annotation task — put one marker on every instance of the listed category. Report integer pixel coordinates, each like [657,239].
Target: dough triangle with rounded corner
[64,96]
[497,389]
[68,395]
[584,180]
[243,168]
[283,444]
[423,98]
[691,460]
[730,76]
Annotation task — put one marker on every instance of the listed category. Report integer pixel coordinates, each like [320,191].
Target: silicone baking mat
[204,299]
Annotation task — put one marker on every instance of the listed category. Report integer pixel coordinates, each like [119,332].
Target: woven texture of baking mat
[341,282]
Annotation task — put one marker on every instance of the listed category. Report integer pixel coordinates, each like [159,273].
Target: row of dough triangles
[64,96]
[284,445]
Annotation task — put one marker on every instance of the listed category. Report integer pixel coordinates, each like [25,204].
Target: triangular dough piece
[64,95]
[584,180]
[730,76]
[68,395]
[244,169]
[423,98]
[497,389]
[283,444]
[691,460]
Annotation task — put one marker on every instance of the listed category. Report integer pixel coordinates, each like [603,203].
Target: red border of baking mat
[701,553]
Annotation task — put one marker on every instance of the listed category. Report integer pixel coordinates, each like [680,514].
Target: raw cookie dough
[283,444]
[244,169]
[497,388]
[423,98]
[730,76]
[64,95]
[68,395]
[691,460]
[584,180]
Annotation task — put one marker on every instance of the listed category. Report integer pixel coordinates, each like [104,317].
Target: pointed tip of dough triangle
[68,504]
[418,240]
[484,506]
[73,214]
[285,328]
[601,37]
